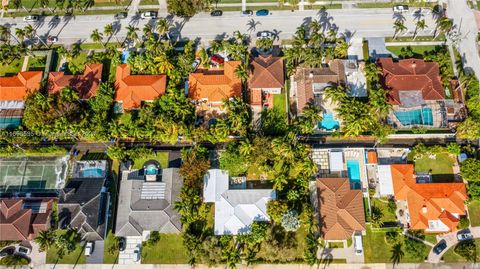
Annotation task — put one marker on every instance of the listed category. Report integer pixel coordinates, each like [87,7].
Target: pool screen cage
[429,116]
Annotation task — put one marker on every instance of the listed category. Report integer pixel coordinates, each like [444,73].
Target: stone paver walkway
[126,256]
[451,239]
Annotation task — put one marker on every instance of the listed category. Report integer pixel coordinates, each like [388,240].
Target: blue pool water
[419,116]
[10,123]
[328,122]
[125,55]
[92,172]
[353,170]
[151,170]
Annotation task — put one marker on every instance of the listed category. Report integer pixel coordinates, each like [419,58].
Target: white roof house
[235,209]
[336,161]
[385,180]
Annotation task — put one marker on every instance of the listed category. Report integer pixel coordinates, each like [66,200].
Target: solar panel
[153,191]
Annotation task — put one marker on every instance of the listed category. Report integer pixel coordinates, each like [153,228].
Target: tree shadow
[252,25]
[398,17]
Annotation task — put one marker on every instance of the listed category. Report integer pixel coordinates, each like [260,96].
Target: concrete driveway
[97,255]
[126,256]
[451,239]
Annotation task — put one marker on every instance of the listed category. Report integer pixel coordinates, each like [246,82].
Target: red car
[217,59]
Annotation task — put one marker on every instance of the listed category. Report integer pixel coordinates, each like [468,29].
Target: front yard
[382,204]
[160,156]
[474,212]
[12,68]
[75,257]
[441,167]
[168,250]
[451,256]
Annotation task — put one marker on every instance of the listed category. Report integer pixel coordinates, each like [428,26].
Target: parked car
[7,251]
[400,8]
[247,13]
[216,13]
[136,254]
[195,64]
[31,18]
[264,34]
[121,15]
[441,246]
[217,59]
[88,248]
[23,250]
[262,12]
[52,39]
[122,243]
[64,68]
[358,244]
[149,15]
[465,235]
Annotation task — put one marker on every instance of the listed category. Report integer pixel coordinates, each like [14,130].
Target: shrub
[276,209]
[154,238]
[464,222]
[13,260]
[454,149]
[470,169]
[392,237]
[467,249]
[290,221]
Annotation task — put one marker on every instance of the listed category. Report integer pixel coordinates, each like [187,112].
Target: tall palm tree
[335,93]
[20,33]
[97,37]
[163,28]
[419,25]
[397,253]
[147,30]
[132,32]
[399,27]
[5,34]
[444,24]
[108,31]
[45,239]
[241,71]
[163,64]
[87,4]
[29,31]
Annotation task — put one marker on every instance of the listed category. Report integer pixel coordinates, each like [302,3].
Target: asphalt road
[353,22]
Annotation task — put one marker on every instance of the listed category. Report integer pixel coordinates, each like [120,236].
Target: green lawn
[427,38]
[279,101]
[36,63]
[376,249]
[293,253]
[335,245]
[451,256]
[417,50]
[77,64]
[391,4]
[474,212]
[109,258]
[383,205]
[160,156]
[431,238]
[75,257]
[11,69]
[169,250]
[441,167]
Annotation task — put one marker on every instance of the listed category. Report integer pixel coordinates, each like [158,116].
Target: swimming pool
[328,122]
[10,123]
[353,171]
[92,172]
[423,116]
[124,57]
[151,170]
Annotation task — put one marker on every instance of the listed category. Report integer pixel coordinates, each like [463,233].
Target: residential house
[308,86]
[235,208]
[24,218]
[432,207]
[340,209]
[208,88]
[417,95]
[83,203]
[85,84]
[267,78]
[13,91]
[146,202]
[132,90]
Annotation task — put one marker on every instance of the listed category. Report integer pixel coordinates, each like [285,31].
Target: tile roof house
[267,77]
[83,205]
[24,218]
[132,90]
[340,209]
[145,206]
[85,84]
[212,86]
[235,209]
[13,91]
[411,77]
[309,83]
[433,207]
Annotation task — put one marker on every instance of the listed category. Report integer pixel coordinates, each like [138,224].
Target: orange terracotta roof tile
[17,87]
[86,84]
[428,201]
[215,84]
[132,90]
[267,72]
[341,208]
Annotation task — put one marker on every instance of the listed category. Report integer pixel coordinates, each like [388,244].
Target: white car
[264,34]
[400,8]
[136,254]
[31,18]
[358,244]
[52,39]
[88,248]
[462,236]
[149,15]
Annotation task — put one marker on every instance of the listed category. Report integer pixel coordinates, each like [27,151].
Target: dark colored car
[121,15]
[216,13]
[64,67]
[7,251]
[217,59]
[247,13]
[262,12]
[122,243]
[441,246]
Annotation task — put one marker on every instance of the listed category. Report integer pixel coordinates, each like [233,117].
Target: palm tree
[163,64]
[246,148]
[97,37]
[45,239]
[5,34]
[147,31]
[163,27]
[108,31]
[444,24]
[241,71]
[419,25]
[336,93]
[29,31]
[87,4]
[132,32]
[20,33]
[397,253]
[399,27]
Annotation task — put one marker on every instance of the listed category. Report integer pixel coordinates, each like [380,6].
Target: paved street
[356,22]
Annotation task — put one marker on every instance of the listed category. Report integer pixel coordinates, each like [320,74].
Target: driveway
[126,256]
[451,239]
[325,254]
[97,255]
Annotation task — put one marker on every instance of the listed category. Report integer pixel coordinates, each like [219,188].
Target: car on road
[264,34]
[217,59]
[465,235]
[7,251]
[441,246]
[23,250]
[31,18]
[262,12]
[400,8]
[216,13]
[247,13]
[88,248]
[122,243]
[149,15]
[121,15]
[136,254]
[52,39]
